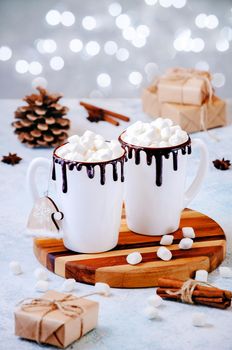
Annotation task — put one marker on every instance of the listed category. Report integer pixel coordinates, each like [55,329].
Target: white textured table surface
[122,324]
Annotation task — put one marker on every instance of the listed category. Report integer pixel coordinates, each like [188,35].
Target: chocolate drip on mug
[158,153]
[90,169]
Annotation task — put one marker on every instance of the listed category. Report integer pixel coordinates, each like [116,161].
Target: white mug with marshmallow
[88,174]
[158,156]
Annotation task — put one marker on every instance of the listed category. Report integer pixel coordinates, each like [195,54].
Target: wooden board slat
[208,252]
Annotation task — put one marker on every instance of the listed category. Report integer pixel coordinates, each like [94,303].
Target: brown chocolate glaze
[158,154]
[90,168]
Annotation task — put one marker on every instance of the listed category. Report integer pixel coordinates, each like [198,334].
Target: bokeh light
[75,45]
[110,47]
[222,45]
[89,23]
[56,63]
[122,54]
[218,80]
[135,78]
[92,48]
[39,81]
[103,80]
[5,53]
[150,2]
[67,18]
[35,68]
[115,9]
[123,21]
[53,17]
[202,65]
[21,66]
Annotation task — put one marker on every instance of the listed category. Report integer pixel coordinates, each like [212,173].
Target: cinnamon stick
[88,106]
[196,293]
[110,120]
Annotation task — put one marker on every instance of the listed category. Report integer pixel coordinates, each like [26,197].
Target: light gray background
[22,22]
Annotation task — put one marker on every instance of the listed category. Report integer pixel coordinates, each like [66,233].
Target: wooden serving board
[207,253]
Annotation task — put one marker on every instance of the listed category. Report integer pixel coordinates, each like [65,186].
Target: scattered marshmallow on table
[41,286]
[41,274]
[68,285]
[15,267]
[188,232]
[102,288]
[134,258]
[186,243]
[90,147]
[151,313]
[199,319]
[201,275]
[225,272]
[158,133]
[164,253]
[155,300]
[166,240]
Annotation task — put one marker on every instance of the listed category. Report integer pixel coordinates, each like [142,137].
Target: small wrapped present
[56,318]
[191,118]
[184,86]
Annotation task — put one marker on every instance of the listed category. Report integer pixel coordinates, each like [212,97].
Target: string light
[5,53]
[89,23]
[92,48]
[135,78]
[56,63]
[21,66]
[110,47]
[103,80]
[75,45]
[53,17]
[115,9]
[122,54]
[67,18]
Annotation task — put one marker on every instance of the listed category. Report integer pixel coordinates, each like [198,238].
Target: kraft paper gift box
[191,118]
[185,86]
[56,318]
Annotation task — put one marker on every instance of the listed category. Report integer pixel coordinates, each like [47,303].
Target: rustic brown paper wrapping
[56,328]
[185,86]
[189,117]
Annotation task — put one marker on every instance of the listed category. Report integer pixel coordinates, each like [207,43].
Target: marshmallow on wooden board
[201,275]
[225,272]
[41,274]
[188,232]
[134,258]
[102,288]
[15,267]
[186,243]
[155,300]
[41,286]
[164,254]
[199,319]
[151,313]
[166,240]
[68,285]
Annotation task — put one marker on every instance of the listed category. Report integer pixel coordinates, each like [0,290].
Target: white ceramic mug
[155,194]
[92,210]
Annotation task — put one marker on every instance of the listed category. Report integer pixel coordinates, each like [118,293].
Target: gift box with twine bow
[56,318]
[186,96]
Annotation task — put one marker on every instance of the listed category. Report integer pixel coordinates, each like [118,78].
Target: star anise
[12,159]
[222,164]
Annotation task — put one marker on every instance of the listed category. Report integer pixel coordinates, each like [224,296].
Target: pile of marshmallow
[159,133]
[89,147]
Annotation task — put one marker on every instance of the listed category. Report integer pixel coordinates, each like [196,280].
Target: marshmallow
[68,285]
[90,147]
[188,232]
[186,243]
[164,253]
[160,132]
[201,275]
[102,288]
[41,286]
[134,258]
[41,274]
[151,313]
[166,240]
[199,319]
[155,300]
[15,267]
[225,272]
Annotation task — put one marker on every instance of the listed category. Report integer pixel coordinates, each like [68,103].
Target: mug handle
[194,188]
[31,174]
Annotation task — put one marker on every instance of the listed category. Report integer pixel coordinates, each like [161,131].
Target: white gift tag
[44,216]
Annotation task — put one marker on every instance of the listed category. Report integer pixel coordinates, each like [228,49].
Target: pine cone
[41,122]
